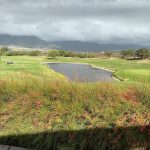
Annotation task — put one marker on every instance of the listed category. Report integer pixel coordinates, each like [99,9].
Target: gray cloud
[106,21]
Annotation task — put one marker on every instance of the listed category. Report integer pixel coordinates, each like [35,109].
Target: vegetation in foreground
[45,114]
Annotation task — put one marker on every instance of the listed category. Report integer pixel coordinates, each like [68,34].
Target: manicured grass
[130,70]
[31,66]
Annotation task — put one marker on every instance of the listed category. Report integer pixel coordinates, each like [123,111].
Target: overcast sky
[105,21]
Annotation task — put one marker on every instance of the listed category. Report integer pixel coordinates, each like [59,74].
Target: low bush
[16,53]
[34,53]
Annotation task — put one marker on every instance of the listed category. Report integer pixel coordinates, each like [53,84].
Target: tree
[127,53]
[3,51]
[0,56]
[34,53]
[53,54]
[108,54]
[142,53]
[62,53]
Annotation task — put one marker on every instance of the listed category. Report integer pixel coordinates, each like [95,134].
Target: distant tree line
[8,52]
[62,53]
[51,53]
[141,53]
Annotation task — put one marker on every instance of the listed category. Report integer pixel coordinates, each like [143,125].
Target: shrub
[127,53]
[53,54]
[4,49]
[70,54]
[142,53]
[108,54]
[62,53]
[34,53]
[16,53]
[83,55]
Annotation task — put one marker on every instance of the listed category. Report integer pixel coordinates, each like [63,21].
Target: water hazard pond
[81,72]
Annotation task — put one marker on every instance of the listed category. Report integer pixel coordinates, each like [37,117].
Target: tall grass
[69,113]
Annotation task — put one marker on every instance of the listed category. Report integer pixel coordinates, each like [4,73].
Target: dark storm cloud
[86,20]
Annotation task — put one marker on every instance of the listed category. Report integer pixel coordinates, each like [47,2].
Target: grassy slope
[37,105]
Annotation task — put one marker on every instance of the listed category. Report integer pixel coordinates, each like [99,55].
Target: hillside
[36,42]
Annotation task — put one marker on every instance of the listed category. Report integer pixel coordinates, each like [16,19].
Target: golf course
[41,109]
[74,75]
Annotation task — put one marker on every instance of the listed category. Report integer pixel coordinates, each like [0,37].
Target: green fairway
[130,70]
[26,65]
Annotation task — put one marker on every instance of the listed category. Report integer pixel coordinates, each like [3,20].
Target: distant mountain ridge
[24,41]
[92,46]
[36,42]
